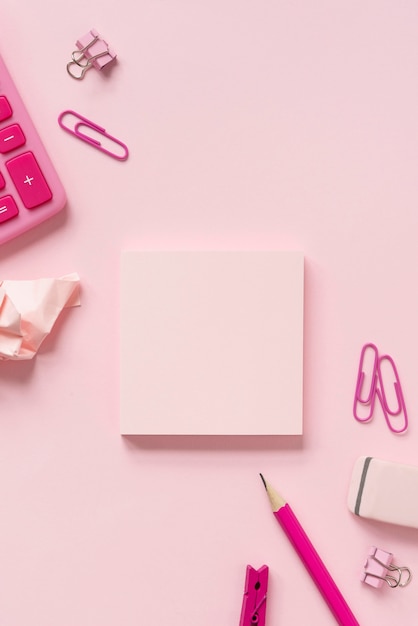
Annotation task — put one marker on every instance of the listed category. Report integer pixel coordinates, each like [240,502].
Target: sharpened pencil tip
[276,500]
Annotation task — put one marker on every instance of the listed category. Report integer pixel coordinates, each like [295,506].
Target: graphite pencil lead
[276,500]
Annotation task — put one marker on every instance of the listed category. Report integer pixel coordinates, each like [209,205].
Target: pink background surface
[251,125]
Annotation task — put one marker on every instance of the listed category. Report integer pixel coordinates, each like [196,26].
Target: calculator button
[8,208]
[29,180]
[5,109]
[11,137]
[2,181]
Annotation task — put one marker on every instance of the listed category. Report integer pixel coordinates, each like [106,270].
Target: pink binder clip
[92,51]
[377,566]
[255,597]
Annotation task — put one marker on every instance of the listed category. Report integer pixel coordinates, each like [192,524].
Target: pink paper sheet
[212,342]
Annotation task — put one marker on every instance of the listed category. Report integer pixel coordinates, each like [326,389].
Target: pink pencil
[311,559]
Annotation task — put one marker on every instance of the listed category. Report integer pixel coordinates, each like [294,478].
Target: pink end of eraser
[384,491]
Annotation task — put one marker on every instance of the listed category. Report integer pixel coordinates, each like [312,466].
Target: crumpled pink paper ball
[29,310]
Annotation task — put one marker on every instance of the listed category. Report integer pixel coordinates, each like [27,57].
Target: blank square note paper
[211,343]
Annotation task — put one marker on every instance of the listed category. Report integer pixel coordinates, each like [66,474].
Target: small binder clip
[92,51]
[377,566]
[255,597]
[372,371]
[118,149]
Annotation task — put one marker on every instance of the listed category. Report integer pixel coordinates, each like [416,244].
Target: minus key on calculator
[30,189]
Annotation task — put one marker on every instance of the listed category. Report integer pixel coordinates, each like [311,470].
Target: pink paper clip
[255,597]
[367,372]
[377,566]
[373,373]
[83,122]
[92,51]
[400,410]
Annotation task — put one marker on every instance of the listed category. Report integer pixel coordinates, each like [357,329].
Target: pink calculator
[30,190]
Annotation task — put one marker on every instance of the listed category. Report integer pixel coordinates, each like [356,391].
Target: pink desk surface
[251,125]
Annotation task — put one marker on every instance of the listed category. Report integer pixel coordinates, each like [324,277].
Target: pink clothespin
[377,566]
[255,597]
[92,51]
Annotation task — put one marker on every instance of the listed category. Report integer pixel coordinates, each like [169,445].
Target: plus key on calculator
[30,190]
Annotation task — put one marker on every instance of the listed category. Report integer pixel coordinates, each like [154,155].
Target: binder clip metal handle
[377,567]
[92,51]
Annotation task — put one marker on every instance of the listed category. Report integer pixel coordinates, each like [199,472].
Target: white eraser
[384,491]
